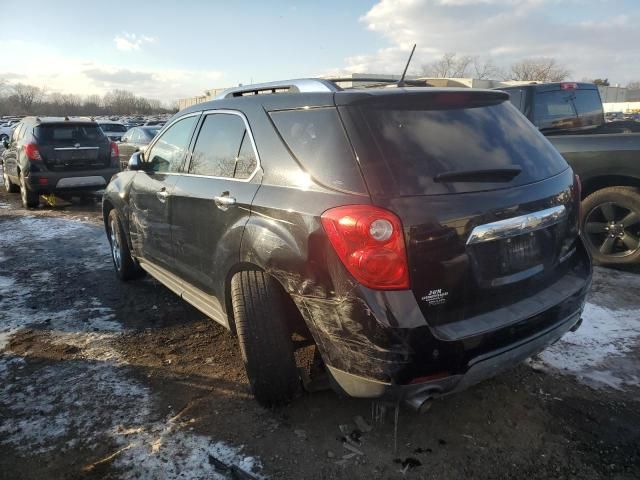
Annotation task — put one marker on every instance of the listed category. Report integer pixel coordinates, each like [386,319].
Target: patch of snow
[93,398]
[600,352]
[603,335]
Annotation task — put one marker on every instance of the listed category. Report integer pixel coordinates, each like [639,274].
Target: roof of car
[275,96]
[45,120]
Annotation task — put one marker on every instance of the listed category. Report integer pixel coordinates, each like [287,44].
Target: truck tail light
[32,152]
[115,151]
[370,243]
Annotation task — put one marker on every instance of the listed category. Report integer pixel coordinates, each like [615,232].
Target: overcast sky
[170,49]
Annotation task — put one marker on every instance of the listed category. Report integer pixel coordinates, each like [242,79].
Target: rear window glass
[567,109]
[68,133]
[416,145]
[317,139]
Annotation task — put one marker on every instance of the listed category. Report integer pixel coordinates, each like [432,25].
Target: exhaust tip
[420,403]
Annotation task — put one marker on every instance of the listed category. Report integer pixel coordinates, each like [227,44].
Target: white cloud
[46,67]
[131,41]
[506,30]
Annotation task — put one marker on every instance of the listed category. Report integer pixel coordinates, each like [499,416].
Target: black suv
[65,156]
[422,238]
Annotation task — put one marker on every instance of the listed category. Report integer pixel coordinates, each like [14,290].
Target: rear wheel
[124,264]
[8,186]
[265,339]
[611,225]
[29,199]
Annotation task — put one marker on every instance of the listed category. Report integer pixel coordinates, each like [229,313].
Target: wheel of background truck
[264,337]
[29,199]
[8,186]
[124,264]
[611,225]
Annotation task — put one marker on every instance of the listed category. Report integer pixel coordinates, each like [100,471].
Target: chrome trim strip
[76,148]
[517,225]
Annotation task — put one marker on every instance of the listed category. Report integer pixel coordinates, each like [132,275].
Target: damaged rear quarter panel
[354,327]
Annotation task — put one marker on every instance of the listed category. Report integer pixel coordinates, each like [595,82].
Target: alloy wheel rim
[115,246]
[613,229]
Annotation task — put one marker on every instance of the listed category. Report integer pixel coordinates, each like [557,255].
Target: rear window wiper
[505,174]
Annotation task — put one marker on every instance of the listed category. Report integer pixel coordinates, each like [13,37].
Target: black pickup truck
[606,156]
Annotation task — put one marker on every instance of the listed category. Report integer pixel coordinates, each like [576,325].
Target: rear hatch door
[69,145]
[487,204]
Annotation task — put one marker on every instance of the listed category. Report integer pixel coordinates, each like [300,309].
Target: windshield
[416,146]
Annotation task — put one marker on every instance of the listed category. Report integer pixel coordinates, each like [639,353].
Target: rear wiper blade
[505,174]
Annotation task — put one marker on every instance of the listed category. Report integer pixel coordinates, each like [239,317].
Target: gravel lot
[104,380]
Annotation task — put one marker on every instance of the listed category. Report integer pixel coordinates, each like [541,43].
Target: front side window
[168,152]
[218,146]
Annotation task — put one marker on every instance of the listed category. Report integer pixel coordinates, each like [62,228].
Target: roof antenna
[401,81]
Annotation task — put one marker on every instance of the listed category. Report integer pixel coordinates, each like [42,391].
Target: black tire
[8,186]
[29,198]
[125,266]
[611,225]
[264,337]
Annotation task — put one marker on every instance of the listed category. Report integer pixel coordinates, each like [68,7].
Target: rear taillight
[31,151]
[115,152]
[369,241]
[577,197]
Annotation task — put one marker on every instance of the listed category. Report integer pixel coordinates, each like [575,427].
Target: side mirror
[5,142]
[135,162]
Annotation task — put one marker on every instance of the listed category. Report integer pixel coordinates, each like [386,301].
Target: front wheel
[611,225]
[29,199]
[264,336]
[124,264]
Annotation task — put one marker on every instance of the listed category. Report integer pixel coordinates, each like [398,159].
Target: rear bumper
[379,344]
[70,181]
[480,368]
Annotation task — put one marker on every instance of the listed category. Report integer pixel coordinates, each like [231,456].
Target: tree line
[23,99]
[453,65]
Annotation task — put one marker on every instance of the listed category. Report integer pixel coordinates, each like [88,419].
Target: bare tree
[27,95]
[484,69]
[633,85]
[450,65]
[539,69]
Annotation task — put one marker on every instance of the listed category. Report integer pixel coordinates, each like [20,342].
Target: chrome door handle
[162,195]
[224,201]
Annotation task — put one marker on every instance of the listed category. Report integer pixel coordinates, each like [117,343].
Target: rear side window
[318,141]
[408,148]
[66,133]
[218,146]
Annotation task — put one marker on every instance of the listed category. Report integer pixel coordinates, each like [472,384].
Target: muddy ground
[100,379]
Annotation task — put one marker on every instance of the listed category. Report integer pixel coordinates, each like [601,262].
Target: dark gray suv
[419,239]
[65,156]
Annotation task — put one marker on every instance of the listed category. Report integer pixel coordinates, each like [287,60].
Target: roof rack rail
[299,85]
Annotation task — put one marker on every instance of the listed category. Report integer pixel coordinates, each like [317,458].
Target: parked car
[613,116]
[64,156]
[113,130]
[424,239]
[6,129]
[133,140]
[606,156]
